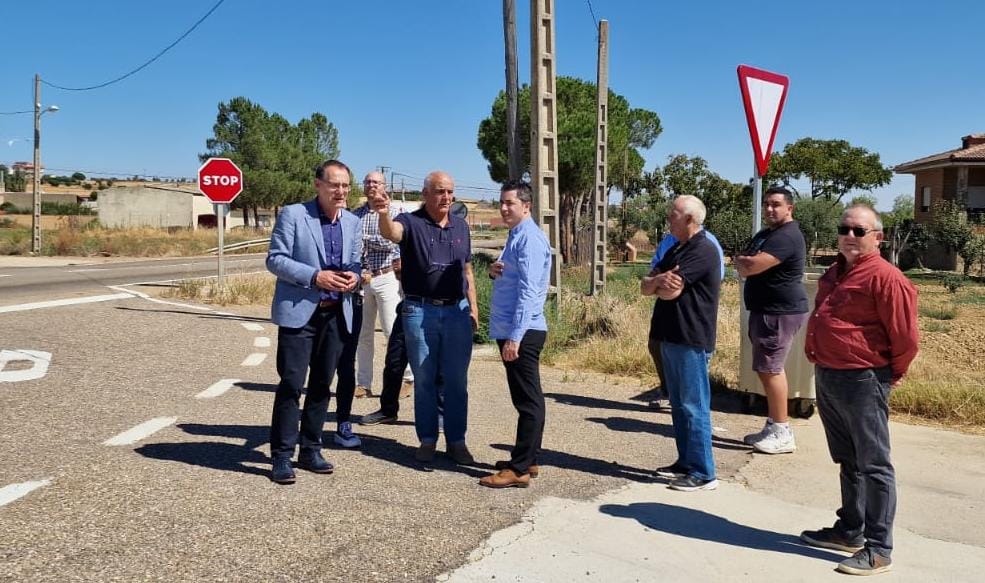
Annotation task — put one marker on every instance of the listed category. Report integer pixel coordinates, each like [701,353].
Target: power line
[592,11]
[154,58]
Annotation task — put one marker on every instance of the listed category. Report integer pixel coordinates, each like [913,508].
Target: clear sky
[407,83]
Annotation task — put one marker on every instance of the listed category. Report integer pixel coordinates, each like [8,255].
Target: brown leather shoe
[362,392]
[533,469]
[406,389]
[506,479]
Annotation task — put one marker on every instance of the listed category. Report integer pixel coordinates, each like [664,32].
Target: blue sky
[407,83]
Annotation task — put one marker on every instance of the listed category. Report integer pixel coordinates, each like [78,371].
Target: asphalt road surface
[134,447]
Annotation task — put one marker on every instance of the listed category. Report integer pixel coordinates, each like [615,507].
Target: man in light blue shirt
[668,241]
[516,320]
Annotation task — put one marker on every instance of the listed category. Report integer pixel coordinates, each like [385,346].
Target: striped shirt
[378,252]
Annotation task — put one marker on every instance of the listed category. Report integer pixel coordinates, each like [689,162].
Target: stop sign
[220,180]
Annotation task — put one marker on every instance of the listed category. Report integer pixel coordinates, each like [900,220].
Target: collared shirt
[378,251]
[433,256]
[864,317]
[518,295]
[691,318]
[669,241]
[331,232]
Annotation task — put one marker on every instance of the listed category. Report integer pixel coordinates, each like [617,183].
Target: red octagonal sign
[220,180]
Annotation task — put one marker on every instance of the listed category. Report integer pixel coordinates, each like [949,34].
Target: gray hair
[693,207]
[876,220]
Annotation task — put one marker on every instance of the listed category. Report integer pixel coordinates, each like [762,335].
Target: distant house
[158,206]
[956,175]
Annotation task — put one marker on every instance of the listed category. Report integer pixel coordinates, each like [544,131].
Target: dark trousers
[320,345]
[394,365]
[653,346]
[523,378]
[854,407]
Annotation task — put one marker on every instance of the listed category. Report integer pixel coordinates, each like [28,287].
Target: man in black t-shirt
[687,282]
[773,266]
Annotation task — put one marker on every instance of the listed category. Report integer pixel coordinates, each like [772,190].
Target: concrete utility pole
[600,202]
[36,221]
[543,127]
[512,83]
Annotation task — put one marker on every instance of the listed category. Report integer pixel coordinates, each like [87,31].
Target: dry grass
[74,237]
[238,290]
[945,384]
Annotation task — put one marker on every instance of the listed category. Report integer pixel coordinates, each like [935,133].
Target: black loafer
[282,472]
[314,462]
[377,417]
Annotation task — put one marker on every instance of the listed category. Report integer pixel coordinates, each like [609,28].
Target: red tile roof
[973,151]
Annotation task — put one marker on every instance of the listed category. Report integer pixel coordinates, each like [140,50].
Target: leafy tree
[277,158]
[16,182]
[864,200]
[818,221]
[78,177]
[629,130]
[685,174]
[833,167]
[902,233]
[732,227]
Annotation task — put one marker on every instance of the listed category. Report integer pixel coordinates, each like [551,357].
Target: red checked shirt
[865,317]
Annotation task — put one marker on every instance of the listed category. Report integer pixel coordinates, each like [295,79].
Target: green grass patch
[939,311]
[937,326]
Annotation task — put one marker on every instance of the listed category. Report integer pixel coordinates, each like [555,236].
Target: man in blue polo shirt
[440,311]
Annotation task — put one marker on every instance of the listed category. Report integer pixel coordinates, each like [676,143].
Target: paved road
[27,279]
[189,498]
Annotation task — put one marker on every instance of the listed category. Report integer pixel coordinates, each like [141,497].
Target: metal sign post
[220,215]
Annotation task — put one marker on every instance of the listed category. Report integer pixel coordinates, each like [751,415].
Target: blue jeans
[686,370]
[439,343]
[854,407]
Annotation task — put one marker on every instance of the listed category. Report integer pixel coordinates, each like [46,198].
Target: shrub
[952,282]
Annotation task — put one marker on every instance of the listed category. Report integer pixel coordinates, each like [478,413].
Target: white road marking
[5,275]
[65,302]
[40,359]
[145,429]
[254,359]
[14,491]
[217,389]
[157,301]
[261,342]
[253,327]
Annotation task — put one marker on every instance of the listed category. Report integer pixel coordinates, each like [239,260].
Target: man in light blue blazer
[316,254]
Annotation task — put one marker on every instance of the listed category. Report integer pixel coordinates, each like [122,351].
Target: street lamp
[38,112]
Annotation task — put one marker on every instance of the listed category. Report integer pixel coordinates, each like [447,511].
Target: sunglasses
[857,231]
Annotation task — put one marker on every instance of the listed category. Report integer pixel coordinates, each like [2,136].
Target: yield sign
[763,94]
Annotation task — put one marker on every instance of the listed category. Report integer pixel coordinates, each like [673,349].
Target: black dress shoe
[282,472]
[314,462]
[377,417]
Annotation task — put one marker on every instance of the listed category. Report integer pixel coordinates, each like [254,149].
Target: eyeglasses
[336,185]
[857,231]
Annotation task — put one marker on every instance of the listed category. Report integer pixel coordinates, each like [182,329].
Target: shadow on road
[217,455]
[203,315]
[595,467]
[701,525]
[392,451]
[722,400]
[662,429]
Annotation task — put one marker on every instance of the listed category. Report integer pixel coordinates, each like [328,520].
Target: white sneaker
[759,435]
[778,441]
[345,437]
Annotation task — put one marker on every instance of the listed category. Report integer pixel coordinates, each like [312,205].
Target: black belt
[383,271]
[433,301]
[328,304]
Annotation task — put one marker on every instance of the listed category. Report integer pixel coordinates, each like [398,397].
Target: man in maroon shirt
[861,337]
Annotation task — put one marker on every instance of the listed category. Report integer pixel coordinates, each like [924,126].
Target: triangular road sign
[763,94]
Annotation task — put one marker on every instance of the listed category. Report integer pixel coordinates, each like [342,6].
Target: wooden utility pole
[600,198]
[543,127]
[512,83]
